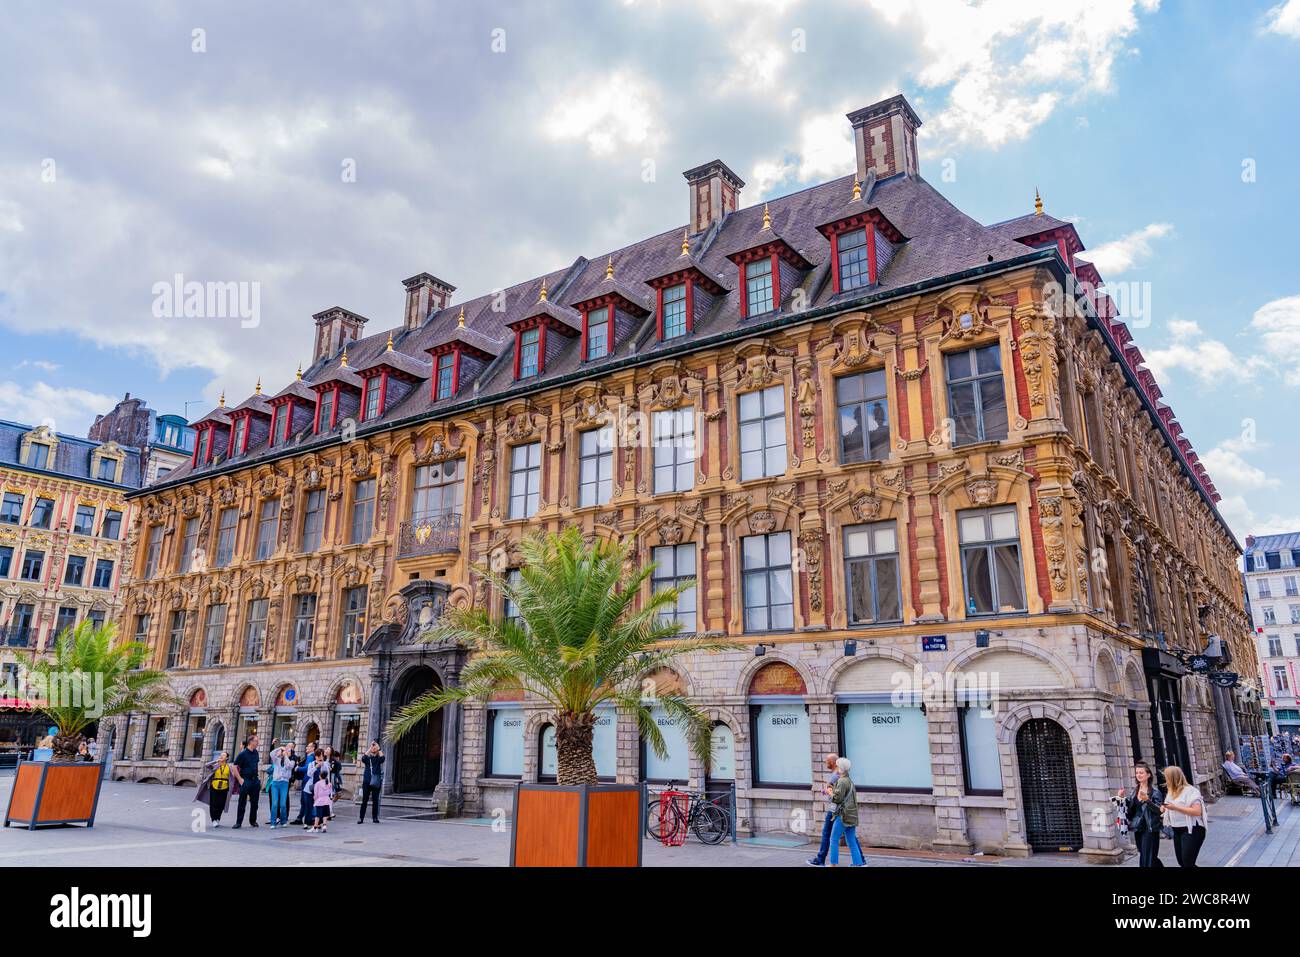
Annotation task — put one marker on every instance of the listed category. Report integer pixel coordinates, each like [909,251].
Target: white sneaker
[216,824]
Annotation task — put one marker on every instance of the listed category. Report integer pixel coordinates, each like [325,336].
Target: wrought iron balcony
[436,535]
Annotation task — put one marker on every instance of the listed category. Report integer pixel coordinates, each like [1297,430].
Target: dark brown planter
[597,825]
[48,792]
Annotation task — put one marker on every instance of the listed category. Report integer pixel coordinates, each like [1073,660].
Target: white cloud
[1119,255]
[64,408]
[1227,466]
[1284,19]
[607,110]
[1008,64]
[1278,325]
[1210,361]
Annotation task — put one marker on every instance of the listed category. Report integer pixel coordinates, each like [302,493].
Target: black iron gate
[1051,803]
[419,754]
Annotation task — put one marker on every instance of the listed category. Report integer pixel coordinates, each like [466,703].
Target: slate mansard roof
[72,457]
[938,241]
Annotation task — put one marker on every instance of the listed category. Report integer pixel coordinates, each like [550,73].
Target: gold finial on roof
[390,342]
[857,190]
[686,242]
[1038,203]
[543,296]
[344,364]
[258,390]
[767,218]
[299,371]
[460,320]
[221,403]
[609,268]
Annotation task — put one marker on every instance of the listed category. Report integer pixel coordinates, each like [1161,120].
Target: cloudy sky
[323,154]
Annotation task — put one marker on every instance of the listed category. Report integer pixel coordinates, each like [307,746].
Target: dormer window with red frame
[862,243]
[203,446]
[444,383]
[678,298]
[277,424]
[239,435]
[387,379]
[597,332]
[372,402]
[534,335]
[327,408]
[530,353]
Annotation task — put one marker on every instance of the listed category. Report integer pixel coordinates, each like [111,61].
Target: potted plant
[582,639]
[84,678]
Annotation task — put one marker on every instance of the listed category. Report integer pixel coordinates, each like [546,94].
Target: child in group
[321,791]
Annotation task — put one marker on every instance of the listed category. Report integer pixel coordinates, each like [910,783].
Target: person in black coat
[1144,817]
[372,780]
[249,764]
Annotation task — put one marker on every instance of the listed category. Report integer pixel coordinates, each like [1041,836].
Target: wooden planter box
[46,792]
[584,826]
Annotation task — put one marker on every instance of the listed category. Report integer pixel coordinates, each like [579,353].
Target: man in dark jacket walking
[249,764]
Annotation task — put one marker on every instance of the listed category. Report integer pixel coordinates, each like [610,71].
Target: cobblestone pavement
[153,825]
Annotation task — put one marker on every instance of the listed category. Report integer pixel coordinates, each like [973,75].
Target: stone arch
[1134,684]
[962,660]
[758,663]
[681,676]
[242,691]
[843,663]
[1105,674]
[1008,727]
[331,698]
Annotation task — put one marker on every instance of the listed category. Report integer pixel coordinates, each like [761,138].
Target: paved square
[154,825]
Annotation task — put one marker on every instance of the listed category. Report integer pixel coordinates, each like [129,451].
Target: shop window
[780,728]
[981,763]
[889,745]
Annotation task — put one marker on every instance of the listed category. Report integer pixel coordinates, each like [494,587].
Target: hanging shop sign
[1200,664]
[1225,679]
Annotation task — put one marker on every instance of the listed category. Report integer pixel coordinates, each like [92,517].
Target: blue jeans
[850,832]
[827,825]
[308,806]
[279,802]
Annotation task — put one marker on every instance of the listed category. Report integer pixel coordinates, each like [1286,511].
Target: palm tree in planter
[582,639]
[87,677]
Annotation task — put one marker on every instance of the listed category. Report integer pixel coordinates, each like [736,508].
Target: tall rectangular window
[853,265]
[529,352]
[598,333]
[363,510]
[268,528]
[863,412]
[313,520]
[38,455]
[596,466]
[11,511]
[83,523]
[67,618]
[33,562]
[6,560]
[255,631]
[112,527]
[674,318]
[304,625]
[326,407]
[106,471]
[674,565]
[767,582]
[103,574]
[525,479]
[1280,682]
[205,444]
[439,490]
[990,560]
[871,573]
[277,423]
[354,620]
[153,551]
[758,287]
[141,633]
[674,437]
[42,513]
[241,433]
[214,630]
[74,573]
[446,375]
[762,433]
[977,400]
[372,397]
[226,527]
[189,543]
[175,636]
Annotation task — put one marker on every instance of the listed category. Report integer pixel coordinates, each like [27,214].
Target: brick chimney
[336,327]
[715,192]
[884,138]
[424,294]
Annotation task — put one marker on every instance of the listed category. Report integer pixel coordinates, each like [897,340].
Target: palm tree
[580,641]
[85,677]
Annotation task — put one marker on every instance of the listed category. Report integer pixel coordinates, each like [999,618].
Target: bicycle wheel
[654,825]
[712,824]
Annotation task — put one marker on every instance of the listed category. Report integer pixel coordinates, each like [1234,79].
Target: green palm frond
[584,636]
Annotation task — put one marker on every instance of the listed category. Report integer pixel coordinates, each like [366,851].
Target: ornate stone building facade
[64,546]
[913,463]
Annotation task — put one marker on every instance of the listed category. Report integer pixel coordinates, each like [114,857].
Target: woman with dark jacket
[1144,817]
[215,788]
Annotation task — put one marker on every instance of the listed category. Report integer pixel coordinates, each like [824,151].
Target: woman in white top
[1184,811]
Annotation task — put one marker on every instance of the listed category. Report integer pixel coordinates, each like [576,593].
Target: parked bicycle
[707,817]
